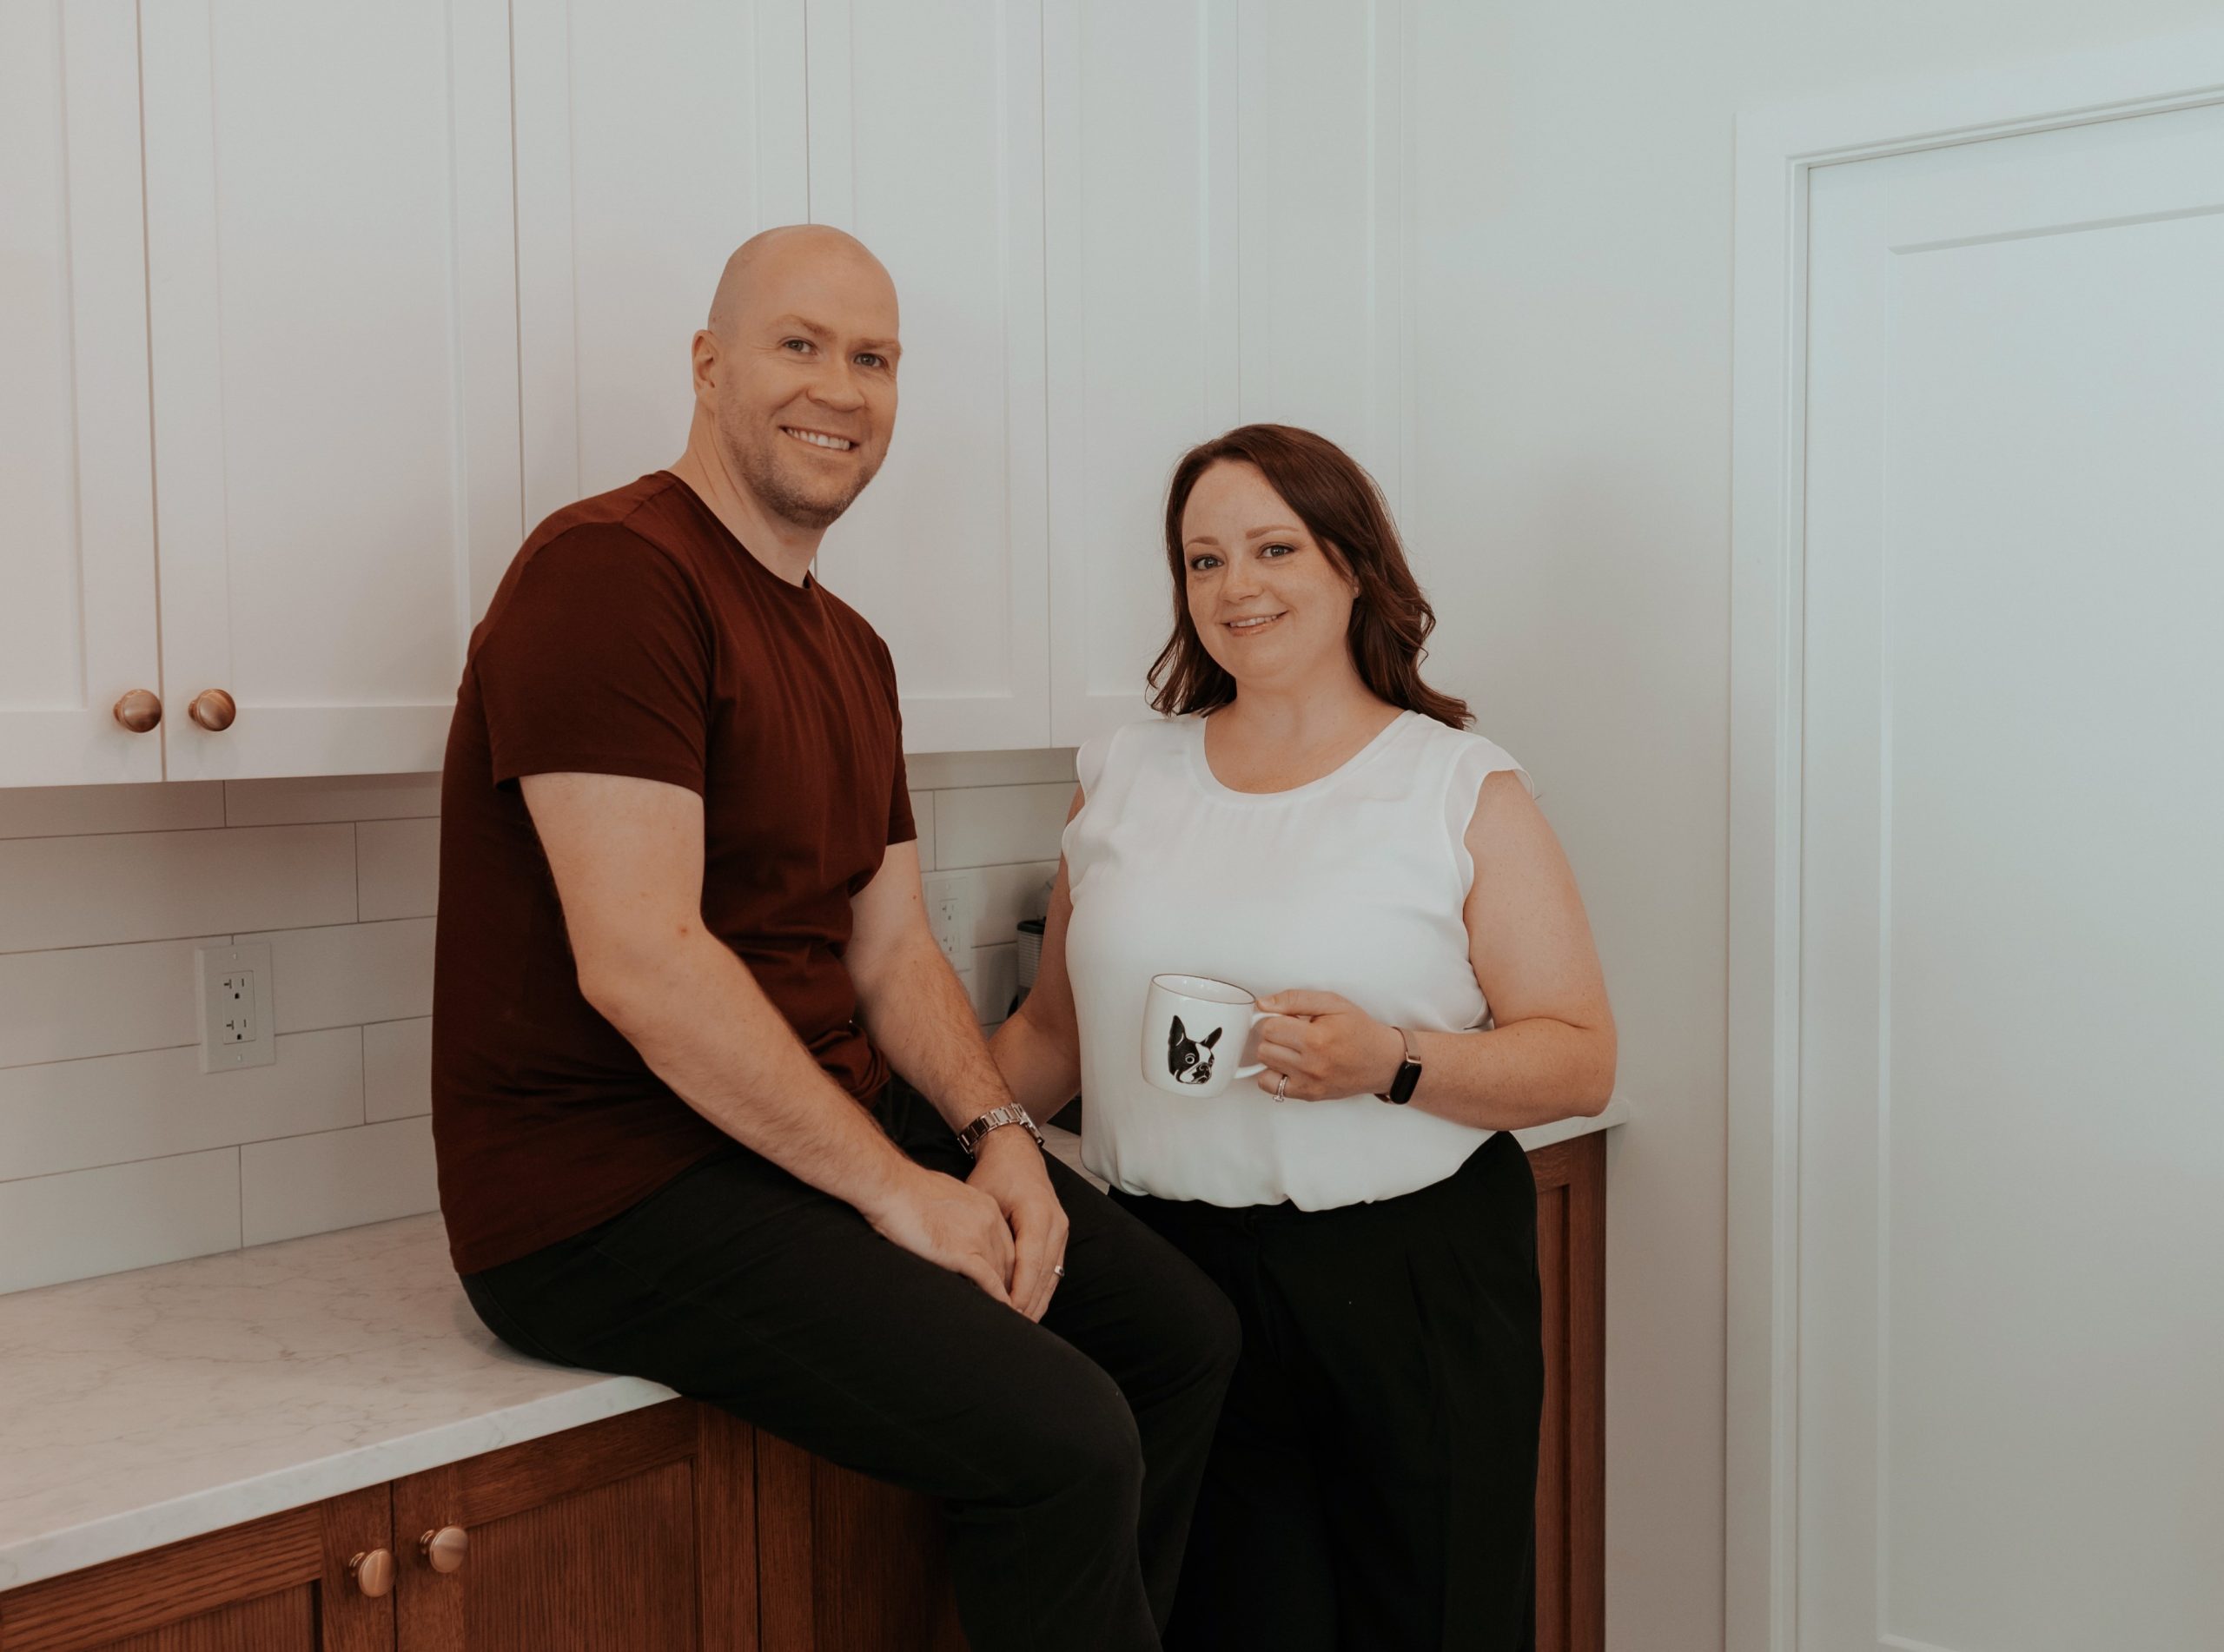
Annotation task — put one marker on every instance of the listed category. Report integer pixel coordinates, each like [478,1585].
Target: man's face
[804,390]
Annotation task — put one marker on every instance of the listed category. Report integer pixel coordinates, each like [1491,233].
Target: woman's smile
[1252,624]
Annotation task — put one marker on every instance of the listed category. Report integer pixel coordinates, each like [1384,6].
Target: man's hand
[953,1224]
[1011,1170]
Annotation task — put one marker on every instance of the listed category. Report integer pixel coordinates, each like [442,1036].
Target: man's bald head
[768,261]
[795,371]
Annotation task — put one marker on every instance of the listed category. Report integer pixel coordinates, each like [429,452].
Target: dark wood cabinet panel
[608,1538]
[278,1584]
[1571,1455]
[847,1563]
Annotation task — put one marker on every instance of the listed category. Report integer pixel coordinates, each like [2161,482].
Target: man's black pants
[1068,1453]
[1373,1485]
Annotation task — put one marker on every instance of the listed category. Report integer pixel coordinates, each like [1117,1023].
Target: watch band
[1409,1072]
[1011,1113]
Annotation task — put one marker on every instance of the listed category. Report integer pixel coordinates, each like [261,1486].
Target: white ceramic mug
[1195,1034]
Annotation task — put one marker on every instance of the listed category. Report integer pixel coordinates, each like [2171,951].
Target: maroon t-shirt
[634,635]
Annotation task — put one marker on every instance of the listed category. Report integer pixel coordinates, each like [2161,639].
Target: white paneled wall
[118,1152]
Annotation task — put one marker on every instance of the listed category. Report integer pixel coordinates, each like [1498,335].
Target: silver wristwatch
[1010,1113]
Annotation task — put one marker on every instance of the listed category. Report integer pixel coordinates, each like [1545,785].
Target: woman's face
[1269,606]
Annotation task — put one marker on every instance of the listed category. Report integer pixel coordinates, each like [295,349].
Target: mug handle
[1250,1072]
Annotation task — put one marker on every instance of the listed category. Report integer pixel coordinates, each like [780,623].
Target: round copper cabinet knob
[374,1573]
[139,712]
[213,710]
[444,1550]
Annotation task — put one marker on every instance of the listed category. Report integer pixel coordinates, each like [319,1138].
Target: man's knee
[1081,1441]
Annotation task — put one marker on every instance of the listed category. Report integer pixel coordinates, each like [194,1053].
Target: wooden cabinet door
[1571,1455]
[77,477]
[333,325]
[926,142]
[629,1534]
[278,1585]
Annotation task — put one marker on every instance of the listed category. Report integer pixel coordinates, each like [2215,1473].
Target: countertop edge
[76,1548]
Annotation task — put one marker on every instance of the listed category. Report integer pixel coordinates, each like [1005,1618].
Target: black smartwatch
[1409,1073]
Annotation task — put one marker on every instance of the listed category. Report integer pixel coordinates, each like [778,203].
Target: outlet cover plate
[237,1026]
[950,917]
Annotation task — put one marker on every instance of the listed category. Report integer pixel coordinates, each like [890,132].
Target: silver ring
[1059,1268]
[1281,1087]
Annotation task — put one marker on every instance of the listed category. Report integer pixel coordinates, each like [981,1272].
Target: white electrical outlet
[236,1023]
[950,915]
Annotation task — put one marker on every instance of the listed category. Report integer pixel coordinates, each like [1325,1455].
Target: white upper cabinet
[926,142]
[1223,247]
[651,141]
[333,320]
[77,483]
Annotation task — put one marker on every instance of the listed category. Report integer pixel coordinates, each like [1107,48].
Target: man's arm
[915,1010]
[627,858]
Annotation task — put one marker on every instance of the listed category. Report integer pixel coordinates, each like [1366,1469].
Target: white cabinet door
[926,142]
[651,141]
[77,483]
[331,258]
[2011,1058]
[1223,235]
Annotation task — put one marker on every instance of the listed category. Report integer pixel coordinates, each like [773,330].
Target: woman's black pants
[1373,1482]
[1068,1453]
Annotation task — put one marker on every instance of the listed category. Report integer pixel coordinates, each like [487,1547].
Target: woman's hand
[1327,1047]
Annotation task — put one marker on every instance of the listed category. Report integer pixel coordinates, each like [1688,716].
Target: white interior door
[76,482]
[332,297]
[2011,1024]
[651,141]
[926,142]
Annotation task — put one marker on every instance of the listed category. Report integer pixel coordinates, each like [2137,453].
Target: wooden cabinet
[279,1584]
[636,1532]
[680,1529]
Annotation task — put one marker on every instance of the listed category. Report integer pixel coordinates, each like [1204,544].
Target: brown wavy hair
[1343,509]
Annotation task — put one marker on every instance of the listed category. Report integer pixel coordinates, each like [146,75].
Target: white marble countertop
[146,1407]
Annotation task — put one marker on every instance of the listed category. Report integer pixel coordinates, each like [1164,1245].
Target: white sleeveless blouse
[1352,884]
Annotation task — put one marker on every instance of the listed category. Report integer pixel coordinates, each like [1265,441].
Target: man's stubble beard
[759,466]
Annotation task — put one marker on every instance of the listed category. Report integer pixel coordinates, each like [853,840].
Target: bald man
[710,1107]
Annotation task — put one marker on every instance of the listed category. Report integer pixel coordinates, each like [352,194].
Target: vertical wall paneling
[651,142]
[331,272]
[77,631]
[926,142]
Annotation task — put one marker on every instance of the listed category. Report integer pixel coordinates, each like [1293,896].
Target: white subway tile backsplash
[280,803]
[152,886]
[350,974]
[923,815]
[996,825]
[397,868]
[1002,895]
[55,1228]
[58,812]
[995,979]
[116,1152]
[397,1069]
[75,1115]
[98,1001]
[944,770]
[342,1179]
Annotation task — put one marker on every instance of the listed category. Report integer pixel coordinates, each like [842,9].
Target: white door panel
[76,482]
[331,261]
[2012,969]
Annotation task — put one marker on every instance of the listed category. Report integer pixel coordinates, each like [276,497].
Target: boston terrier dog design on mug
[1195,1033]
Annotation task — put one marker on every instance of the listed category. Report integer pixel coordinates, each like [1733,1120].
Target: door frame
[1778,147]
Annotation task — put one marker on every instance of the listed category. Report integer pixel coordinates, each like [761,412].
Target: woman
[1312,822]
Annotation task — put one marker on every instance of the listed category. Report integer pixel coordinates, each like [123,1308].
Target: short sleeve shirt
[634,635]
